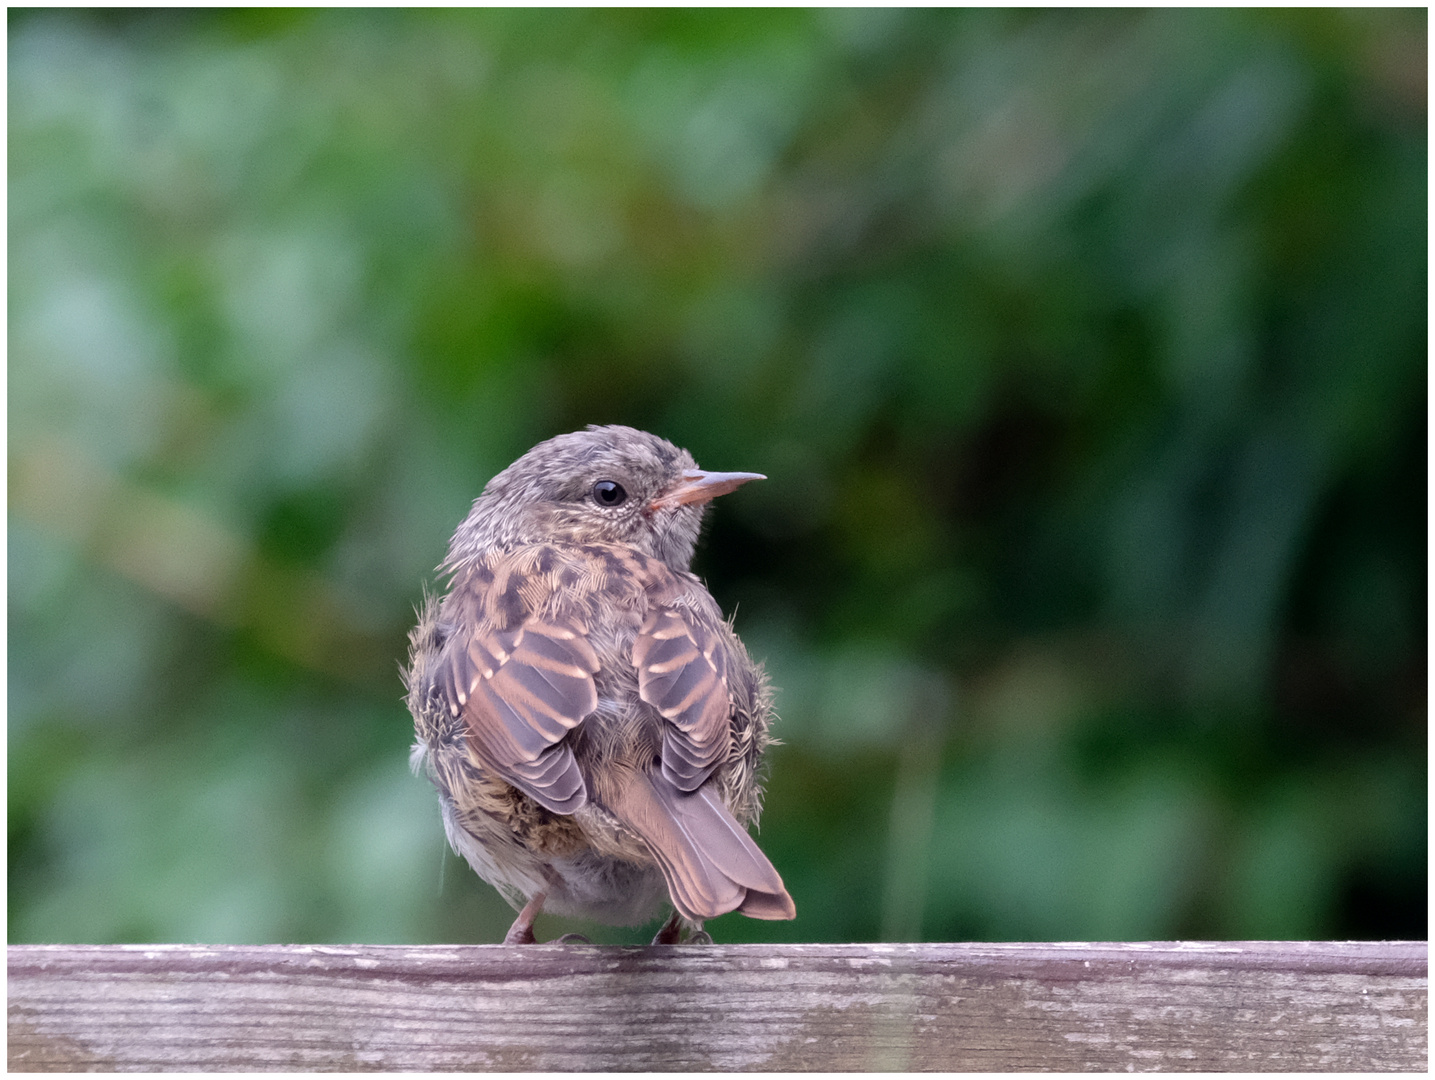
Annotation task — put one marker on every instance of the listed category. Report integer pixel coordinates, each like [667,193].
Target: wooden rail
[1347,1006]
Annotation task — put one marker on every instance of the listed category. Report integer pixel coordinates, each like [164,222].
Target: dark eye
[609,493]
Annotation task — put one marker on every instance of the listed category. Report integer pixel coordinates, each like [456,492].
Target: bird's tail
[710,863]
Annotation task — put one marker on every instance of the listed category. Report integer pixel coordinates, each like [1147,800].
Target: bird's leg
[671,932]
[521,932]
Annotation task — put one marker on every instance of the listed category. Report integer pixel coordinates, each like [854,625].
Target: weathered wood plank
[1347,1006]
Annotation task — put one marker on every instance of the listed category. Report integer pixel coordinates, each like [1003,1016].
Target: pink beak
[698,486]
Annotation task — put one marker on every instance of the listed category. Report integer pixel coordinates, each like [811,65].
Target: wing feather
[682,673]
[520,691]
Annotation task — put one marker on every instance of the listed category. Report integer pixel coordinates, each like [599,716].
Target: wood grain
[1346,1006]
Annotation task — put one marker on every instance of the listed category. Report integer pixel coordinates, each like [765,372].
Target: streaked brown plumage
[591,721]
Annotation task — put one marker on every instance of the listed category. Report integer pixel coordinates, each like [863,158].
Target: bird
[593,724]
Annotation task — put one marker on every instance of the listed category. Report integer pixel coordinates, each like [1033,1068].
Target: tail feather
[710,863]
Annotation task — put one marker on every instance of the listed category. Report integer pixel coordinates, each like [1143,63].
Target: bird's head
[607,485]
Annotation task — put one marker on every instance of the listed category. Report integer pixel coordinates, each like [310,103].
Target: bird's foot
[671,933]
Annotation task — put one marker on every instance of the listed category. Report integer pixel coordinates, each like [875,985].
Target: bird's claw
[672,933]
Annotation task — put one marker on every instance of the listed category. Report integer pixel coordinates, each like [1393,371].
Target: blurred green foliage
[1085,352]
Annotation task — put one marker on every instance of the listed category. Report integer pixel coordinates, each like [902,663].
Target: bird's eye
[609,493]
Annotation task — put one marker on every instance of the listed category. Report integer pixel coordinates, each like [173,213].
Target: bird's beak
[698,486]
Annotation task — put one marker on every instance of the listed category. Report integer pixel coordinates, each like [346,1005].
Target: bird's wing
[682,672]
[520,689]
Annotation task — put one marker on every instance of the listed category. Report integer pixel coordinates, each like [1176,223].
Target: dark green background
[1085,351]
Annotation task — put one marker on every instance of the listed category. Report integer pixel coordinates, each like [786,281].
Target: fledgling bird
[592,723]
